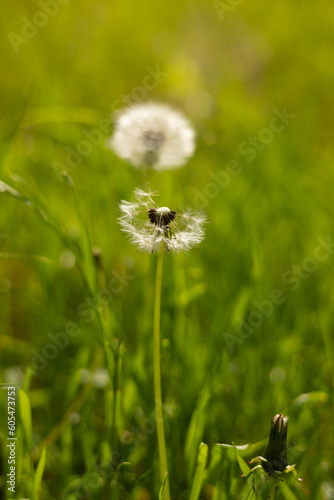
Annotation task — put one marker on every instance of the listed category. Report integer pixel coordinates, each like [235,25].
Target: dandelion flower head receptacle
[151,227]
[153,135]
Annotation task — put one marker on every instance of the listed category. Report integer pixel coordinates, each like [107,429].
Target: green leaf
[251,495]
[125,473]
[6,189]
[219,492]
[288,494]
[25,416]
[86,245]
[198,478]
[27,380]
[315,397]
[162,489]
[195,431]
[243,449]
[35,199]
[244,469]
[38,475]
[88,453]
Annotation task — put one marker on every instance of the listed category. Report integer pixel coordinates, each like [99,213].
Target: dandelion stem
[272,491]
[157,378]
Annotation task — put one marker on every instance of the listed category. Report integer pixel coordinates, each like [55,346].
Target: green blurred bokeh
[231,69]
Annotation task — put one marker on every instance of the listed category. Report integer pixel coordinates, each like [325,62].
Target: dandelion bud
[275,452]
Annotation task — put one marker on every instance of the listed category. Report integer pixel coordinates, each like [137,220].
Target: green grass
[265,217]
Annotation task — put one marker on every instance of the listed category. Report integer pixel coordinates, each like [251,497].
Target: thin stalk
[157,379]
[272,491]
[115,387]
[111,354]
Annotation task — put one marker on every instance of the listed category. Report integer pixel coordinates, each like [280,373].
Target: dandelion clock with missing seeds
[151,227]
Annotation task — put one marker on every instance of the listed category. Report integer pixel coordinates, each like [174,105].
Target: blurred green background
[231,67]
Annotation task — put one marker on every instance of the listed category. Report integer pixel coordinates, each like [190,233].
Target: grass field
[246,316]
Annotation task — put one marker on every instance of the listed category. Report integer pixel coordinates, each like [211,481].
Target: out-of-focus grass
[228,75]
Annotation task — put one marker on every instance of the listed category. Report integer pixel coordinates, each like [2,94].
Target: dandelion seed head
[153,135]
[150,227]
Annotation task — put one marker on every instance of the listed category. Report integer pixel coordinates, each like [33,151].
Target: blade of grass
[288,494]
[6,189]
[38,475]
[195,431]
[162,489]
[199,473]
[25,417]
[245,470]
[40,207]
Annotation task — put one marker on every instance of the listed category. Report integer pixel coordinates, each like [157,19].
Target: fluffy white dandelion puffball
[153,135]
[151,227]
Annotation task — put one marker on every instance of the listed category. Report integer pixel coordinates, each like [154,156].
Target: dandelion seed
[153,135]
[151,227]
